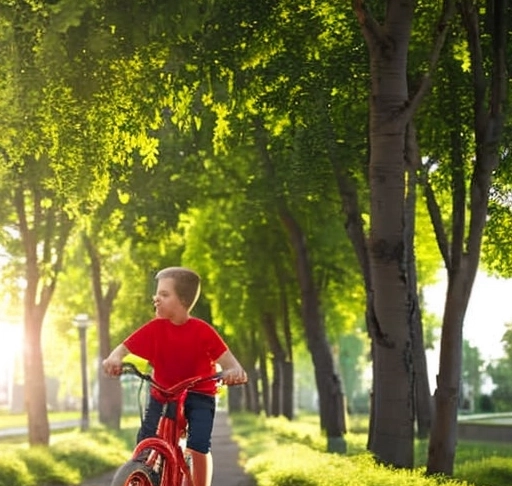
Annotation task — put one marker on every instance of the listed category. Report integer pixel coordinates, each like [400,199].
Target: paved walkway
[226,466]
[227,470]
[22,430]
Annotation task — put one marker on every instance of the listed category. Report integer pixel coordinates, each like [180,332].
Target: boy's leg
[200,412]
[150,420]
[202,468]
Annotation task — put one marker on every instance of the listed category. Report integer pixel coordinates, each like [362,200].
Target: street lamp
[82,322]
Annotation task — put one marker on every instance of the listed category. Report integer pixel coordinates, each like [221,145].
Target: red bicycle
[160,460]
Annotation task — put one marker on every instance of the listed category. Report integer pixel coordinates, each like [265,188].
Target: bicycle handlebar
[131,369]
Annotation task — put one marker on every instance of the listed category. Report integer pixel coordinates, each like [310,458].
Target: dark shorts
[199,410]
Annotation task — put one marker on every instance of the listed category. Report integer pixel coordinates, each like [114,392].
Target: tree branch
[489,111]
[443,26]
[371,29]
[436,218]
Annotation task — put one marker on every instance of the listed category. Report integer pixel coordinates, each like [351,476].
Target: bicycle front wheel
[134,473]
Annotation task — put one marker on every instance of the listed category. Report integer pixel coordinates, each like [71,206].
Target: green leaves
[496,255]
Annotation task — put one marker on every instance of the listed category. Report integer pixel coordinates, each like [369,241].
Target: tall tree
[259,80]
[126,85]
[330,391]
[282,79]
[391,111]
[47,178]
[486,37]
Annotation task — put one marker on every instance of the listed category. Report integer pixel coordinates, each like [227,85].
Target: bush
[13,471]
[306,467]
[73,457]
[279,452]
[486,404]
[47,469]
[496,471]
[91,454]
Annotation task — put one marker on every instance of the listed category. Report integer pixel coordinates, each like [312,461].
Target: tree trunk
[393,383]
[277,383]
[110,392]
[443,437]
[35,385]
[422,396]
[392,432]
[332,414]
[265,387]
[278,358]
[35,379]
[389,300]
[37,296]
[288,377]
[462,259]
[355,230]
[288,390]
[33,365]
[236,396]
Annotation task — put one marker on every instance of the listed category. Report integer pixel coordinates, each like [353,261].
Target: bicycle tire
[133,473]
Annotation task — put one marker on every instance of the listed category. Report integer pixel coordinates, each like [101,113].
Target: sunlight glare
[10,352]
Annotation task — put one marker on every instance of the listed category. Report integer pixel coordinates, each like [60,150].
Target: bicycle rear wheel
[134,473]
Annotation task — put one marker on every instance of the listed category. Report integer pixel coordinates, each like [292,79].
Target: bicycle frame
[166,457]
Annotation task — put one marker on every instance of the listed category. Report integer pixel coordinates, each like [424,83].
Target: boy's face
[167,304]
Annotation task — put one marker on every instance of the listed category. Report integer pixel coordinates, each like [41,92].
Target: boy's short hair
[187,284]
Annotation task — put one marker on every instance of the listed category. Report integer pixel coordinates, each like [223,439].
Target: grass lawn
[280,453]
[8,420]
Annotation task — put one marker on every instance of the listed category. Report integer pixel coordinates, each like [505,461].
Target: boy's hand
[234,376]
[112,366]
[232,371]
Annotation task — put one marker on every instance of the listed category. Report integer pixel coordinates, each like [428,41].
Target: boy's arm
[232,371]
[113,363]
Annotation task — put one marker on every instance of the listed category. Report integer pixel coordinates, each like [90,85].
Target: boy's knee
[200,448]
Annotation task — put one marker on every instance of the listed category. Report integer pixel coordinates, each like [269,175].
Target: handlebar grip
[130,368]
[218,376]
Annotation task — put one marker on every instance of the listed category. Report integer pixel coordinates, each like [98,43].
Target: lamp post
[82,322]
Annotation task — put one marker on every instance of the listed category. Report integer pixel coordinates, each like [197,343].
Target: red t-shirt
[178,352]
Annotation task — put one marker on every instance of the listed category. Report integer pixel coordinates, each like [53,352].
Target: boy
[179,346]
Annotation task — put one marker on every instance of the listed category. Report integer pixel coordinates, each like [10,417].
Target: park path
[227,470]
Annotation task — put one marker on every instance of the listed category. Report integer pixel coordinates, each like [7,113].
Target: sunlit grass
[256,434]
[8,420]
[71,457]
[280,452]
[298,465]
